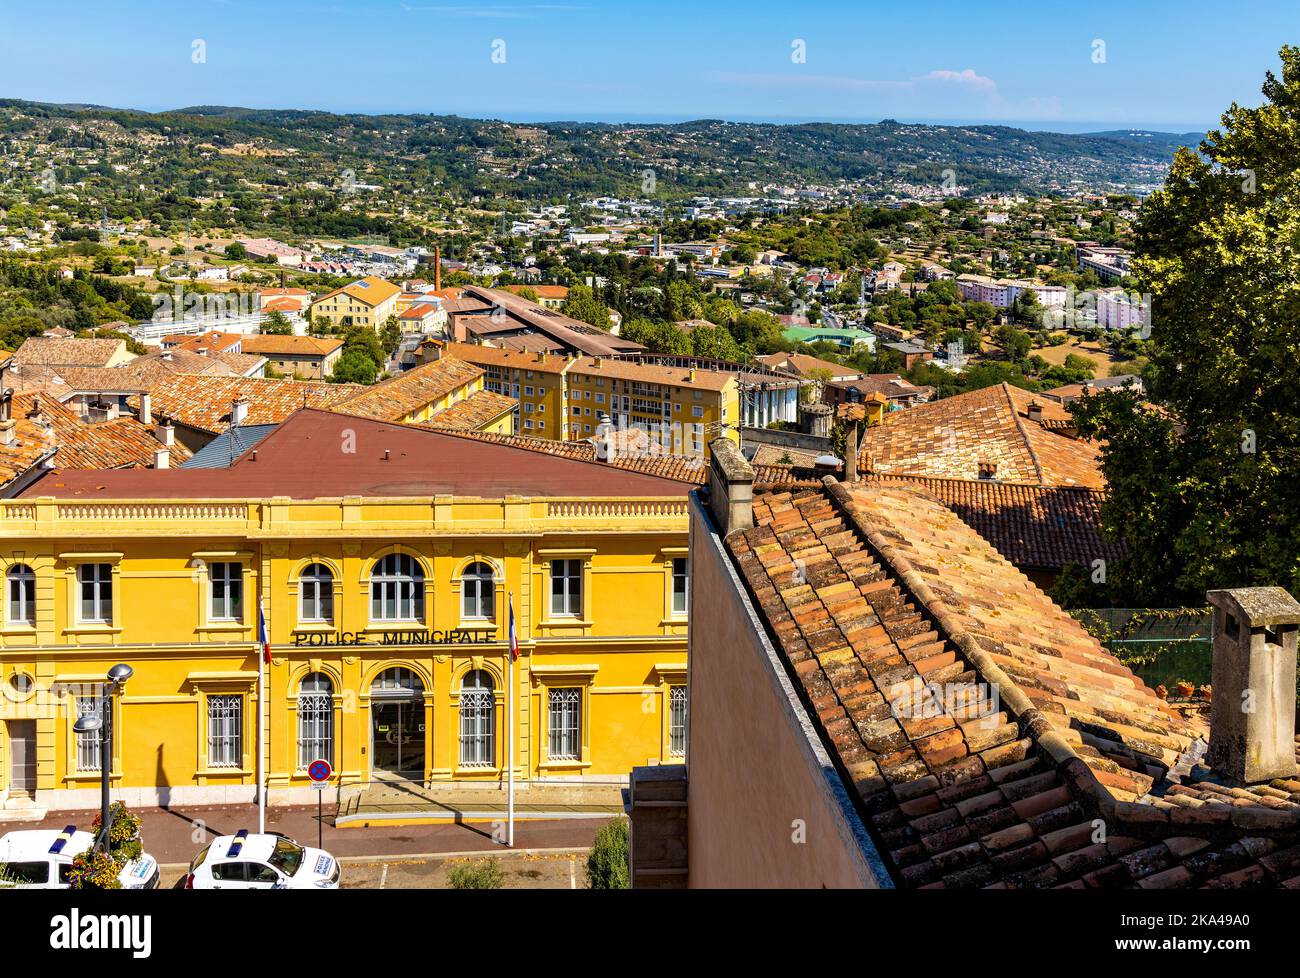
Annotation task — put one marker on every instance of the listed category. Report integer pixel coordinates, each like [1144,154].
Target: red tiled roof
[949,438]
[479,409]
[411,390]
[985,734]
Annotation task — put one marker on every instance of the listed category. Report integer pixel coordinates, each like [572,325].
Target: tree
[582,305]
[236,251]
[1203,489]
[1015,343]
[277,324]
[607,863]
[354,367]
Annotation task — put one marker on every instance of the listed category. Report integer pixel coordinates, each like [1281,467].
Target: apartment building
[368,302]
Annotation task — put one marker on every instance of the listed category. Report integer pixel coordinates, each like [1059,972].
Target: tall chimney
[437,268]
[146,408]
[731,486]
[238,411]
[1252,712]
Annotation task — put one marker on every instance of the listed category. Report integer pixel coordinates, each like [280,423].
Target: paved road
[176,835]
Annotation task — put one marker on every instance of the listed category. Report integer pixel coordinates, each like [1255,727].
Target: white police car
[269,861]
[41,859]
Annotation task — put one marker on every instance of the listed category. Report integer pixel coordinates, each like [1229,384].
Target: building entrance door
[22,755]
[397,725]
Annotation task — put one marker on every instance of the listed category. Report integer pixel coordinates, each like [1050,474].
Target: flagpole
[510,731]
[261,697]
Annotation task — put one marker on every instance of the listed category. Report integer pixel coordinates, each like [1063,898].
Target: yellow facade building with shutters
[386,559]
[560,397]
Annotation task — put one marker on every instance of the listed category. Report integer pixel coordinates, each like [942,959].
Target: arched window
[478,592]
[22,595]
[316,594]
[315,719]
[477,718]
[397,589]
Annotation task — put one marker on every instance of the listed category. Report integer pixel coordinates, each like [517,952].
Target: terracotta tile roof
[155,368]
[409,391]
[370,290]
[679,468]
[121,443]
[213,341]
[283,304]
[949,438]
[57,351]
[102,379]
[31,445]
[892,386]
[479,409]
[803,364]
[985,734]
[203,402]
[272,344]
[491,356]
[653,373]
[1043,527]
[243,364]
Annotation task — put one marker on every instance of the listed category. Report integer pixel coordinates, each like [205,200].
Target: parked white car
[40,859]
[267,861]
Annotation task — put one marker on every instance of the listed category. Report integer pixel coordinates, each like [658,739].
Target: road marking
[383,877]
[573,878]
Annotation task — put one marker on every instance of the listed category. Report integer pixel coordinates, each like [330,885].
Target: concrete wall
[759,778]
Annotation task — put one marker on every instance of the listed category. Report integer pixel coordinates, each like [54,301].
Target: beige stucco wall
[757,771]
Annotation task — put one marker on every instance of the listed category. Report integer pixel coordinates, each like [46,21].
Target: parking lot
[520,869]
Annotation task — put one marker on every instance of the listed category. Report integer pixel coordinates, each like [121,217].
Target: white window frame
[99,578]
[685,592]
[477,720]
[225,591]
[20,595]
[315,719]
[397,581]
[89,745]
[567,573]
[225,730]
[478,592]
[677,703]
[316,594]
[564,723]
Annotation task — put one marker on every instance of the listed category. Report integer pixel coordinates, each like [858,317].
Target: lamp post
[117,677]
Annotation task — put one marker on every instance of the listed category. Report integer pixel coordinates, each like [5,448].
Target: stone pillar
[656,808]
[1252,718]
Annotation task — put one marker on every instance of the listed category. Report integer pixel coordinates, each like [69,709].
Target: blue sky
[1170,65]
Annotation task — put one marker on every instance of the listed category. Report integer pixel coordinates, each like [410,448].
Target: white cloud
[966,78]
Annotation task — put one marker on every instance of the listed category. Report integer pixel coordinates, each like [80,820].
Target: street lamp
[117,677]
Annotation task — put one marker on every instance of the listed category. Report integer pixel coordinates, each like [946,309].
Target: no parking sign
[319,772]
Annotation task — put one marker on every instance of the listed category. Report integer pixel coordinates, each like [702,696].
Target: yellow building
[564,397]
[368,301]
[386,558]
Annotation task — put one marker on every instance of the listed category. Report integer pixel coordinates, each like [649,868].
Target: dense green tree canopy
[1204,490]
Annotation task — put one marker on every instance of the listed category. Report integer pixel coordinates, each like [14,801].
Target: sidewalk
[176,835]
[410,803]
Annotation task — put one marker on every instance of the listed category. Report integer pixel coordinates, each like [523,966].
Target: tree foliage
[1204,489]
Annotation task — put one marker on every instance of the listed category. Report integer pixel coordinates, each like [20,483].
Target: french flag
[514,636]
[262,638]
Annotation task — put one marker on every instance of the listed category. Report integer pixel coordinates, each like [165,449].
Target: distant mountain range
[557,160]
